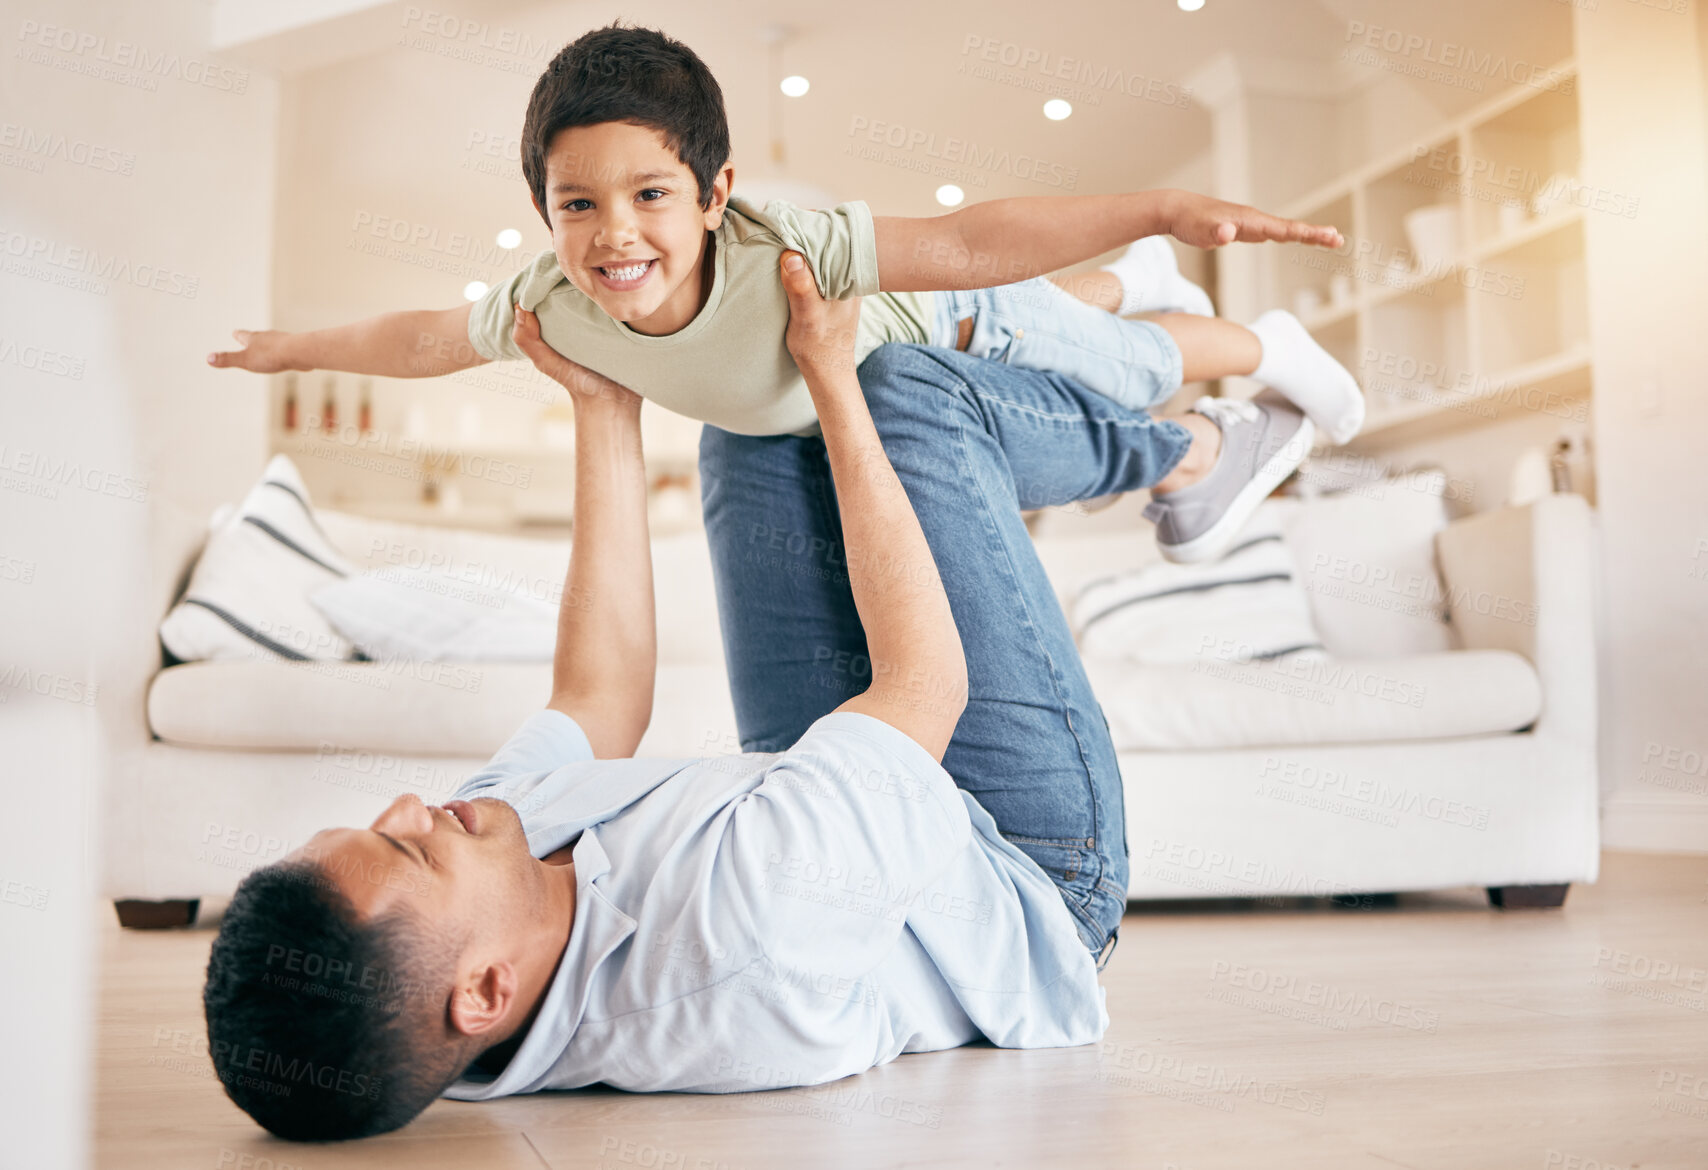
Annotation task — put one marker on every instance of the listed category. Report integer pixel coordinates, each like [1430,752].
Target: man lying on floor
[746,922]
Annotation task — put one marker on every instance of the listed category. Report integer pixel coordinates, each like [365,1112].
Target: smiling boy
[662,279]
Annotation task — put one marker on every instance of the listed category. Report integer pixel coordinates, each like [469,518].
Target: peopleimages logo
[1063,76]
[959,152]
[147,65]
[45,259]
[1418,51]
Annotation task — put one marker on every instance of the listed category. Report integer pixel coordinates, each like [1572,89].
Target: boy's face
[626,223]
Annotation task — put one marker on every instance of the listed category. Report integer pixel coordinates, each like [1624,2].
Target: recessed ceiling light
[950,195]
[795,85]
[474,290]
[1190,5]
[1056,109]
[509,238]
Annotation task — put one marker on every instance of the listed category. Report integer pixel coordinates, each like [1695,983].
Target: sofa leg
[139,915]
[1528,897]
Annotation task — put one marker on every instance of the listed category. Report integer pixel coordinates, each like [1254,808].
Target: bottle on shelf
[290,404]
[329,407]
[365,409]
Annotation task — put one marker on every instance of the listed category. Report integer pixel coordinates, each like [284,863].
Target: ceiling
[906,94]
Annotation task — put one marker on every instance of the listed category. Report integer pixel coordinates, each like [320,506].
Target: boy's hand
[265,351]
[821,333]
[1204,222]
[582,383]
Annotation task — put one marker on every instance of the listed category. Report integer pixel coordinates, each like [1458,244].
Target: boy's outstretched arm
[1006,240]
[416,343]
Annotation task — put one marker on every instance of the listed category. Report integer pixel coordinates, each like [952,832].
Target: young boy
[661,280]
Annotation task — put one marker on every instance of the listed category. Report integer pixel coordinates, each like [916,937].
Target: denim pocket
[993,335]
[1071,863]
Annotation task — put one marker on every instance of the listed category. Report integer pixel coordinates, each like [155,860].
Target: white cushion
[522,566]
[688,631]
[1367,564]
[248,594]
[407,709]
[526,567]
[1075,562]
[1247,603]
[1313,700]
[409,615]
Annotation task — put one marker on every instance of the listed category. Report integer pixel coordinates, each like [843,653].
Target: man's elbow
[944,688]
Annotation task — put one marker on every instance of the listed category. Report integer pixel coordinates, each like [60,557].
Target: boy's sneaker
[1151,281]
[1263,441]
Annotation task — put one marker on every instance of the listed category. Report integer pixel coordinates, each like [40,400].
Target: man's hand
[1204,222]
[265,351]
[582,383]
[821,333]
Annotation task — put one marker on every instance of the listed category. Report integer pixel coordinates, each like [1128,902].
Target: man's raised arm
[607,634]
[919,671]
[416,343]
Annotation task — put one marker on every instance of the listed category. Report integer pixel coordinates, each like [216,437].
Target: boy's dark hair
[634,75]
[315,1017]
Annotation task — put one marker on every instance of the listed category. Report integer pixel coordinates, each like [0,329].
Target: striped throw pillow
[1247,606]
[248,596]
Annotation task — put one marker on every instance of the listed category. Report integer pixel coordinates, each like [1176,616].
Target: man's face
[464,867]
[626,223]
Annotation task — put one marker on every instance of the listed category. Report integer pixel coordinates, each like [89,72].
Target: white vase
[1434,235]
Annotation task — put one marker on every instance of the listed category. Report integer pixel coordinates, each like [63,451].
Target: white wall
[1644,134]
[135,232]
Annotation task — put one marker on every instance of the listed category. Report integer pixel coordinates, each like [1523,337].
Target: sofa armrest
[1522,579]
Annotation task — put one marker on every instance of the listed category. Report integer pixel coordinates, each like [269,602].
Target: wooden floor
[1432,1032]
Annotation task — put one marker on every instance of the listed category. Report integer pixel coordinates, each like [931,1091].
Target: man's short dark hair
[320,1025]
[635,75]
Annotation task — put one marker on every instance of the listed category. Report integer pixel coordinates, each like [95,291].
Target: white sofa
[1461,753]
[1469,761]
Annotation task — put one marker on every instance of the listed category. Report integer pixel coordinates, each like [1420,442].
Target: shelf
[1536,240]
[1479,286]
[1541,241]
[483,518]
[1489,113]
[1322,202]
[1329,316]
[1550,382]
[421,450]
[1412,284]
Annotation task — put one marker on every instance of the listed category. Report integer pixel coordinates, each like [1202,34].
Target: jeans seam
[993,530]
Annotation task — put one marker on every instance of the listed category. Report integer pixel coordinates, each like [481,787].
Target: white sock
[1151,281]
[1304,371]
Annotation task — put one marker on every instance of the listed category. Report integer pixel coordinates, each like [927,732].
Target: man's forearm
[417,343]
[915,649]
[607,642]
[1008,240]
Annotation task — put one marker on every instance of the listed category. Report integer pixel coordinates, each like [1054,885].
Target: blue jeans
[974,442]
[1037,325]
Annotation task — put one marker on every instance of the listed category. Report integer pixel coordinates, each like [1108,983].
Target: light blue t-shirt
[771,919]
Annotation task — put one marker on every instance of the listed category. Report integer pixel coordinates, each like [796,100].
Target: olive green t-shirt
[728,366]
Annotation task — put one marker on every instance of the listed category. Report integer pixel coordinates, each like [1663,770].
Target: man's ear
[535,200]
[721,183]
[482,998]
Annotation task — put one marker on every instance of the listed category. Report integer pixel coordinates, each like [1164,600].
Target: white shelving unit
[1488,319]
[517,486]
